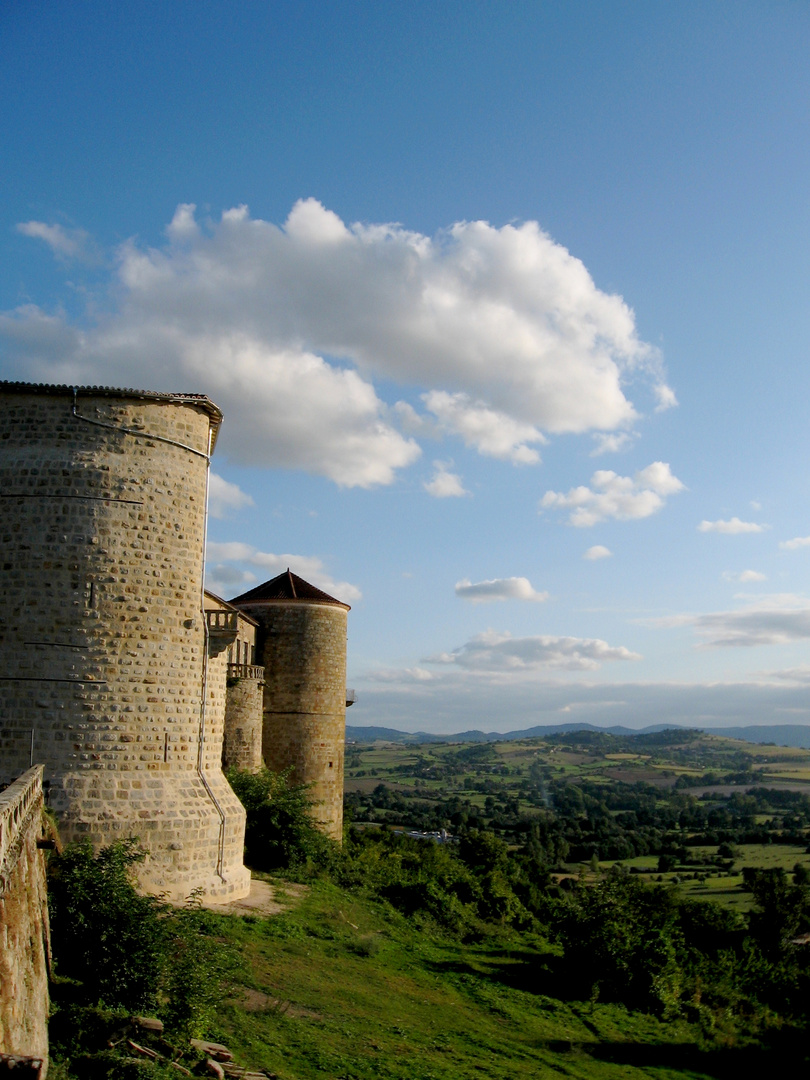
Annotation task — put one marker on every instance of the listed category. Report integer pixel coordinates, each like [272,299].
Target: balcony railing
[245,671]
[222,622]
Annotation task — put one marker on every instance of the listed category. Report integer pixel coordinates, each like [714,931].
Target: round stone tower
[103,637]
[302,645]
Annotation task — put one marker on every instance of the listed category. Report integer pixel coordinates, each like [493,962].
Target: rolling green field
[510,784]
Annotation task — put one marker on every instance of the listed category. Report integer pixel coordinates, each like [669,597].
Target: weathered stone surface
[23,924]
[235,686]
[103,651]
[303,650]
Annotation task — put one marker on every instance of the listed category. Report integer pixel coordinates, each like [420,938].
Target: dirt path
[264,898]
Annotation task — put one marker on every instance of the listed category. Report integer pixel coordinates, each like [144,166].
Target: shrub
[106,936]
[280,831]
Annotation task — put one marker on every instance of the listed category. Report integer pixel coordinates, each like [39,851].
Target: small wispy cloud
[512,588]
[598,551]
[796,542]
[66,244]
[666,398]
[491,432]
[744,576]
[223,496]
[769,620]
[732,527]
[445,484]
[494,651]
[611,443]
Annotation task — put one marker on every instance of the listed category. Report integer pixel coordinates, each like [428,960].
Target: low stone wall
[24,942]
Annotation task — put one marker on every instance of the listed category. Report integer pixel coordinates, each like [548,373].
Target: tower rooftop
[284,588]
[201,401]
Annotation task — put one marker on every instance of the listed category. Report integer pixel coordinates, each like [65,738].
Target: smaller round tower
[301,641]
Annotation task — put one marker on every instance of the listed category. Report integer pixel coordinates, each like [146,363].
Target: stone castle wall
[243,718]
[23,921]
[102,636]
[303,651]
[235,684]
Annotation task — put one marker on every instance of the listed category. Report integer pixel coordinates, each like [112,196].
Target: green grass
[720,887]
[345,988]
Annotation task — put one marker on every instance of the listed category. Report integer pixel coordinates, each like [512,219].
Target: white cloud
[796,542]
[309,567]
[512,588]
[65,243]
[490,432]
[611,444]
[445,484]
[612,496]
[598,551]
[401,675]
[454,702]
[732,527]
[666,397]
[746,575]
[768,620]
[287,329]
[492,651]
[224,496]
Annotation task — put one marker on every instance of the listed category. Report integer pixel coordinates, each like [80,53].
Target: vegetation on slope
[485,957]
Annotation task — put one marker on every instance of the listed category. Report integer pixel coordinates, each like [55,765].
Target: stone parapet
[24,942]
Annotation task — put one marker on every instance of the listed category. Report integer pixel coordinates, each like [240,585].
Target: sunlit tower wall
[302,646]
[235,683]
[103,637]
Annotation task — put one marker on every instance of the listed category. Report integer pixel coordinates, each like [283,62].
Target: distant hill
[781,734]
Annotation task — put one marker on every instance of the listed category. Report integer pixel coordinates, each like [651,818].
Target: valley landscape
[589,905]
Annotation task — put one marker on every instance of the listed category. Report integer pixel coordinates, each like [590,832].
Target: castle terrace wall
[242,747]
[24,938]
[303,650]
[102,635]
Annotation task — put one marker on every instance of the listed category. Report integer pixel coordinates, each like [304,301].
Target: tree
[280,831]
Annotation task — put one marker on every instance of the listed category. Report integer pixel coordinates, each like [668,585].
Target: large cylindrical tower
[302,645]
[103,638]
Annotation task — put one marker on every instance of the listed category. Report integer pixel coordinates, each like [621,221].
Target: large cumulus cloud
[500,333]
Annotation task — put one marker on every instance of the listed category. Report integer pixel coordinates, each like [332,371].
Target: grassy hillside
[343,987]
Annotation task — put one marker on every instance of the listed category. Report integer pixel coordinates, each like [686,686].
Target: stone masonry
[104,645]
[302,645]
[235,683]
[24,939]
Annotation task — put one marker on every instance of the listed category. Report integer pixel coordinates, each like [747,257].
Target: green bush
[107,937]
[115,949]
[280,831]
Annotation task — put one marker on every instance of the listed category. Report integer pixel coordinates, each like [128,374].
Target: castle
[119,673]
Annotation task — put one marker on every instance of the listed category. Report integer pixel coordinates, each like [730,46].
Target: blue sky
[505,304]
